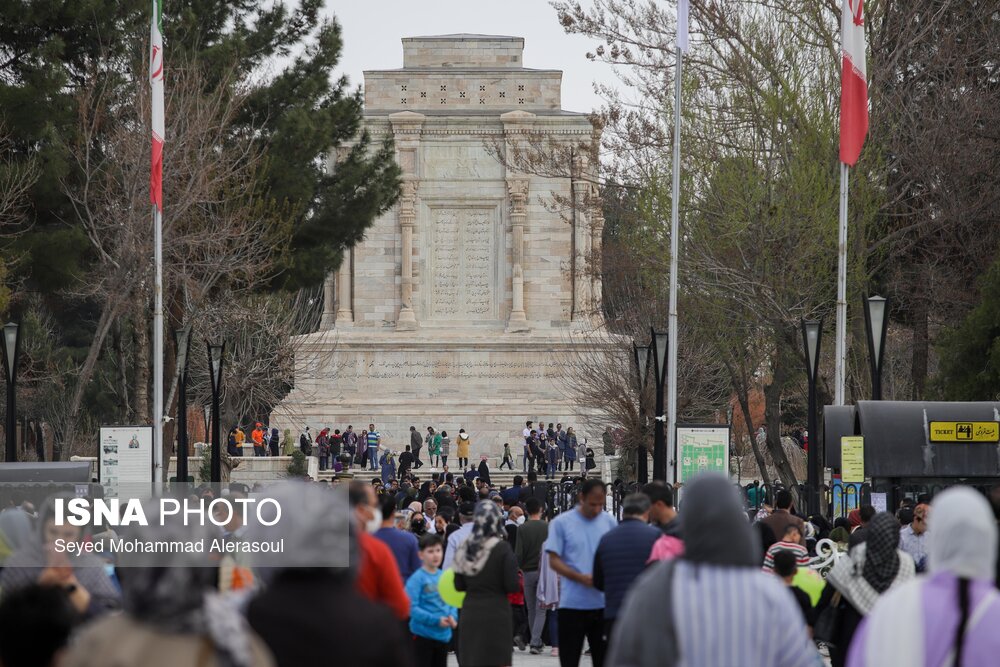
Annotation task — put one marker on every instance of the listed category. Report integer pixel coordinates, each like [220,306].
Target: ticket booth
[913,448]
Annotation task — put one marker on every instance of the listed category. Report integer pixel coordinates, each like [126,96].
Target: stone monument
[463,305]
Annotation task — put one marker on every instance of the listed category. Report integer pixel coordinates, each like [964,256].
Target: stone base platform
[487,382]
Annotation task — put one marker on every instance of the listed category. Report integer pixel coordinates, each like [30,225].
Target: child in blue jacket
[431,620]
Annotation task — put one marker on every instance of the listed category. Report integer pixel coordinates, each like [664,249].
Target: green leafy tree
[969,354]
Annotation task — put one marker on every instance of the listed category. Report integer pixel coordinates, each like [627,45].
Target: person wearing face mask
[378,574]
[418,524]
[515,517]
[430,514]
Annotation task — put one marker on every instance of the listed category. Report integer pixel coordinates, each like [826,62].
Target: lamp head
[215,356]
[875,314]
[640,355]
[183,340]
[10,349]
[659,346]
[812,332]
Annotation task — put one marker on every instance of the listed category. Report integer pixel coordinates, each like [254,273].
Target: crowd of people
[449,564]
[547,448]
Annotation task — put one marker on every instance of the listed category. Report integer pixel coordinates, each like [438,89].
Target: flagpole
[841,360]
[672,313]
[156,198]
[158,352]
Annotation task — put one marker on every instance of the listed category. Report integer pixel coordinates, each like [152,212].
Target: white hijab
[962,540]
[963,535]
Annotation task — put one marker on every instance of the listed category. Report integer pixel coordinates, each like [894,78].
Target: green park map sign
[701,448]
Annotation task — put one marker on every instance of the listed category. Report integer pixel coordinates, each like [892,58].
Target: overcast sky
[372,31]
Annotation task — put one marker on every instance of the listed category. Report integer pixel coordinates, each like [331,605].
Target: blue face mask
[109,569]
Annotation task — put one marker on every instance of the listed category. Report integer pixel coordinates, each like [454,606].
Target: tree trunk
[743,397]
[119,348]
[140,331]
[108,315]
[772,417]
[921,344]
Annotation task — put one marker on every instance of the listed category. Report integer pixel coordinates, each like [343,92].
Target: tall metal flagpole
[841,292]
[158,353]
[672,314]
[156,197]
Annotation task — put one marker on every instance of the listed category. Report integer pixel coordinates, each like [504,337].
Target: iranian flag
[156,83]
[853,82]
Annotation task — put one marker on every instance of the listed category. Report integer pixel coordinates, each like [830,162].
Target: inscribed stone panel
[464,259]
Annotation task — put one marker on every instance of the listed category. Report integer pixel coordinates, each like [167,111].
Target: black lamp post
[640,355]
[659,347]
[11,353]
[183,347]
[215,354]
[812,334]
[876,325]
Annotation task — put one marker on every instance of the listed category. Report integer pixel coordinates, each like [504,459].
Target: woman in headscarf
[38,561]
[173,616]
[856,581]
[840,537]
[949,617]
[388,464]
[486,569]
[484,471]
[691,610]
[310,613]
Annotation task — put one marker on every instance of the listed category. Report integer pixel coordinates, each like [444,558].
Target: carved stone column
[406,128]
[407,215]
[345,276]
[596,244]
[581,240]
[518,189]
[329,314]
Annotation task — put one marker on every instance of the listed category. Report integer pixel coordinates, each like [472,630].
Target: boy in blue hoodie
[431,620]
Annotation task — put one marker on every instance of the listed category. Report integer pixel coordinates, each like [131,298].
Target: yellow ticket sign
[852,459]
[965,431]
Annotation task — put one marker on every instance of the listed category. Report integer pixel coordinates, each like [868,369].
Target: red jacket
[378,576]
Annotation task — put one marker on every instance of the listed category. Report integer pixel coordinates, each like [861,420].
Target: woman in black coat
[484,472]
[485,568]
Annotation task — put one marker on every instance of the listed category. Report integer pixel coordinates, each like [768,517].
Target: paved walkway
[527,660]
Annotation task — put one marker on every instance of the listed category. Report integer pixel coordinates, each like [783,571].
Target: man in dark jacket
[535,489]
[779,520]
[406,461]
[661,512]
[512,495]
[416,442]
[622,554]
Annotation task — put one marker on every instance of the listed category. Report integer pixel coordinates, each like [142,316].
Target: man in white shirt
[465,512]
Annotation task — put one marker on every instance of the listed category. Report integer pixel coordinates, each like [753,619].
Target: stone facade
[463,305]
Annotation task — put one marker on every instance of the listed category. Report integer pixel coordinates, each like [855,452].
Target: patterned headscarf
[175,592]
[487,532]
[881,556]
[873,566]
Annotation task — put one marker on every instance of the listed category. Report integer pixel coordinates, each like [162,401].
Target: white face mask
[520,520]
[375,522]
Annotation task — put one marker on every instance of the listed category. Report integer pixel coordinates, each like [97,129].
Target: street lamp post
[183,347]
[11,352]
[659,345]
[812,334]
[640,355]
[876,325]
[215,355]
